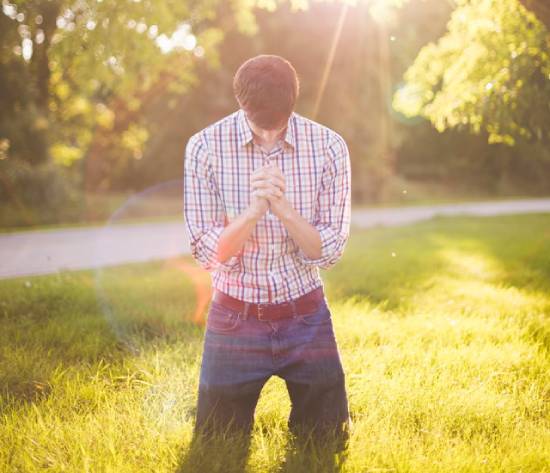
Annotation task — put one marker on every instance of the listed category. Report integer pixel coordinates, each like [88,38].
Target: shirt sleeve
[203,209]
[333,206]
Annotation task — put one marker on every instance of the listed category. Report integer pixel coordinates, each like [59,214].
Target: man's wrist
[287,212]
[251,215]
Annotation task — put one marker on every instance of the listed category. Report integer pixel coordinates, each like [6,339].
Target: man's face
[267,136]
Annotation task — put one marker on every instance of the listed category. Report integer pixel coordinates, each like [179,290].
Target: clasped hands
[268,188]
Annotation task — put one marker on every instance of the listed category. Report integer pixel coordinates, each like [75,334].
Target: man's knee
[322,436]
[222,410]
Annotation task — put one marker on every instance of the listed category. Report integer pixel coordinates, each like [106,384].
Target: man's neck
[268,145]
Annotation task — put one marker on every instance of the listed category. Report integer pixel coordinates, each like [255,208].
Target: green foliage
[466,164]
[68,64]
[76,77]
[38,194]
[490,71]
[90,54]
[102,97]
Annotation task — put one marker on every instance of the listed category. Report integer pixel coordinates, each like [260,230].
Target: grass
[443,329]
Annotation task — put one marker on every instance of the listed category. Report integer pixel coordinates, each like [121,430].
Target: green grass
[443,329]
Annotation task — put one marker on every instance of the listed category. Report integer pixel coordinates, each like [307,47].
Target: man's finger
[273,169]
[271,175]
[268,184]
[275,192]
[260,175]
[268,191]
[279,181]
[261,183]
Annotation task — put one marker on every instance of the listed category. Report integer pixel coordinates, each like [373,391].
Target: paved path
[50,251]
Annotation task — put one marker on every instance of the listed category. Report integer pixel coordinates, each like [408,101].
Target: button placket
[267,157]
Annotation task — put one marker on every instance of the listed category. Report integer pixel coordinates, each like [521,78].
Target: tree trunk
[541,8]
[40,58]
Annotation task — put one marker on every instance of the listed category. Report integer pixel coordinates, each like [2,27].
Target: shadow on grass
[325,456]
[228,452]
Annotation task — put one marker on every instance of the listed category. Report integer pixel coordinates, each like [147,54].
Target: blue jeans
[241,353]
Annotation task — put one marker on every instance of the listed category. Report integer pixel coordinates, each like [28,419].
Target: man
[267,202]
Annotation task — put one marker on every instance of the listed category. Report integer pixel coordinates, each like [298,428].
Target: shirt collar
[245,134]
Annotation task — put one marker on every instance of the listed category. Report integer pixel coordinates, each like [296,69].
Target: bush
[37,194]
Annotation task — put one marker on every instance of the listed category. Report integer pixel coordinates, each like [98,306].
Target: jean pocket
[321,316]
[221,319]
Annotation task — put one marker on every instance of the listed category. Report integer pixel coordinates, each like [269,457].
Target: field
[443,329]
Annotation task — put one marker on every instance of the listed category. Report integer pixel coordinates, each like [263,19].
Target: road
[50,251]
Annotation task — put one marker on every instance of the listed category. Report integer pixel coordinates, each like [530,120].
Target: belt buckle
[260,306]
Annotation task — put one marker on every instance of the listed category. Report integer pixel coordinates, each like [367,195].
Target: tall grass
[443,329]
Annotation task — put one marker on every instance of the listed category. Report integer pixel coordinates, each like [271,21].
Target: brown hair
[266,87]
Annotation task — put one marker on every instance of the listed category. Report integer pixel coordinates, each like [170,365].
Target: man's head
[266,88]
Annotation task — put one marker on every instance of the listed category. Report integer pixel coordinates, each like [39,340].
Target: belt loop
[245,312]
[294,311]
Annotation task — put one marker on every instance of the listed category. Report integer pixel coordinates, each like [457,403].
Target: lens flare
[145,286]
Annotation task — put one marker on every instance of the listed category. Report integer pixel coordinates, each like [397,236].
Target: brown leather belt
[304,305]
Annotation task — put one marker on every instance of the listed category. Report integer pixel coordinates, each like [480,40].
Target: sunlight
[469,264]
[408,99]
[482,298]
[26,48]
[330,58]
[182,38]
[470,283]
[10,10]
[383,11]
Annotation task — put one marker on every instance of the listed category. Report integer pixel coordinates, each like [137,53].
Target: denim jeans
[241,353]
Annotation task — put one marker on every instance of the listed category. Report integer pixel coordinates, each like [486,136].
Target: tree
[84,62]
[74,77]
[539,8]
[490,71]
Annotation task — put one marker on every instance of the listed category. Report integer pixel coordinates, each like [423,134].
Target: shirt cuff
[209,257]
[331,246]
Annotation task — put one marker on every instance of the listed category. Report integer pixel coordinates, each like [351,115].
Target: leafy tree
[81,59]
[490,71]
[539,8]
[368,62]
[75,76]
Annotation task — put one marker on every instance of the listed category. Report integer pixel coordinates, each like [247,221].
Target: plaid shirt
[270,267]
